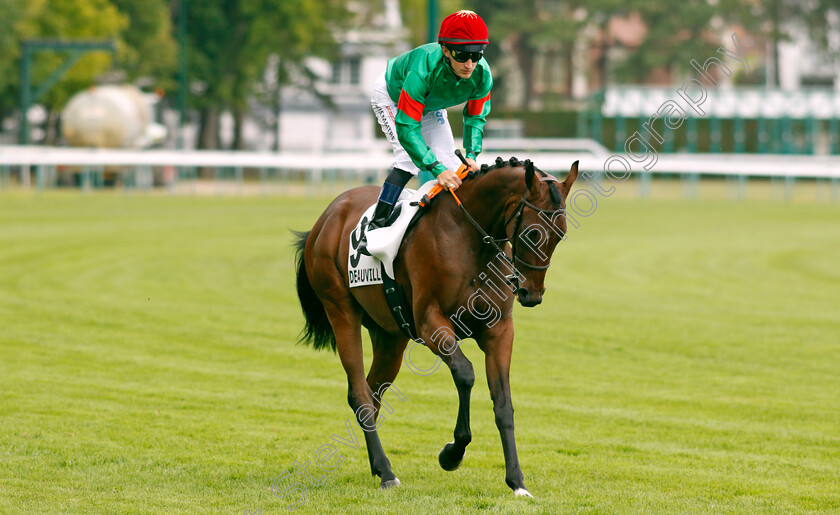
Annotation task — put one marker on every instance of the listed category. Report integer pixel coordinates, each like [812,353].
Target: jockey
[410,101]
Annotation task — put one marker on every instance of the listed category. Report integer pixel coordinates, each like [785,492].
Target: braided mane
[514,163]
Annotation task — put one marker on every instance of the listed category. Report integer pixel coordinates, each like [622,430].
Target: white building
[802,63]
[306,123]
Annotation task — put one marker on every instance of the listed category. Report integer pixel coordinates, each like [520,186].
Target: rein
[486,238]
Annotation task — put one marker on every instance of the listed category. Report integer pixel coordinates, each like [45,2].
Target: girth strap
[399,306]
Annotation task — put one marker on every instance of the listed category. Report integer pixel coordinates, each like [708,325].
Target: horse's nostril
[527,299]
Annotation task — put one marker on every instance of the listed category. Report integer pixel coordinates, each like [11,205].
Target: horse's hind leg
[346,324]
[387,357]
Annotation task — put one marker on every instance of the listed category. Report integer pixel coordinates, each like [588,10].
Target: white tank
[109,117]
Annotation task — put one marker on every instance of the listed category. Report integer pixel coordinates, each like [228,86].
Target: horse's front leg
[497,344]
[437,332]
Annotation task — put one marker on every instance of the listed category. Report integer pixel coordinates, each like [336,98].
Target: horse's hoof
[522,492]
[390,483]
[445,462]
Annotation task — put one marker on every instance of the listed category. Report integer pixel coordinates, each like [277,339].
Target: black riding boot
[381,213]
[394,184]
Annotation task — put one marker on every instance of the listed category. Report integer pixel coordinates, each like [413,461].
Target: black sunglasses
[462,56]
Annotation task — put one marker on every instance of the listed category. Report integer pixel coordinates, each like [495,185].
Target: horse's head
[535,223]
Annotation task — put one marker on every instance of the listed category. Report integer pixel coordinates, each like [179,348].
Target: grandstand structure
[732,120]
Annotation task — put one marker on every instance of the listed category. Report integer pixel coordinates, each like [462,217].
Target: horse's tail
[317,331]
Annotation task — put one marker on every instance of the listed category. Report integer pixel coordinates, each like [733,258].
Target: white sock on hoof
[391,483]
[522,492]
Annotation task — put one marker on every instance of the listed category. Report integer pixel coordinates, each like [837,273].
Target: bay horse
[443,265]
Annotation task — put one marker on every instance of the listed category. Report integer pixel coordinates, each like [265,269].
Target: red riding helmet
[464,28]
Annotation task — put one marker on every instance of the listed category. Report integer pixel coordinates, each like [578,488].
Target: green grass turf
[685,359]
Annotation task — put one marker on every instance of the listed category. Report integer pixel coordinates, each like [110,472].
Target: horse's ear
[530,177]
[566,185]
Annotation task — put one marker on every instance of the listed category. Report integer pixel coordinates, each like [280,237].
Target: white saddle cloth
[383,243]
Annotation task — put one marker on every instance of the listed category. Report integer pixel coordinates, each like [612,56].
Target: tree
[535,32]
[142,32]
[11,14]
[415,16]
[149,51]
[67,19]
[779,20]
[230,42]
[676,33]
[70,19]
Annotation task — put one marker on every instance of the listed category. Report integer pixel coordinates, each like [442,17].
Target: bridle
[516,217]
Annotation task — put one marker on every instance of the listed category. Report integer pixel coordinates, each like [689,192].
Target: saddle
[384,244]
